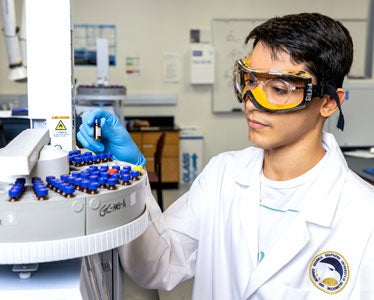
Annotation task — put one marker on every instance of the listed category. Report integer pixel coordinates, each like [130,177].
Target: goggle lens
[278,91]
[281,91]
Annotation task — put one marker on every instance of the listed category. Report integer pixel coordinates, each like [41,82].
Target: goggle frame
[243,65]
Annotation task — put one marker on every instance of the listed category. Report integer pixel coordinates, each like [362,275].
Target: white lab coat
[211,233]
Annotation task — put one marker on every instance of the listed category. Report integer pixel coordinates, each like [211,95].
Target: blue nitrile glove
[114,137]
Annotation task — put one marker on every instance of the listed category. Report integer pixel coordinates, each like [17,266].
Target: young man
[286,219]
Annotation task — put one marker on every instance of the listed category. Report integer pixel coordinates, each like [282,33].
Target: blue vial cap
[115,177]
[74,152]
[102,180]
[87,158]
[104,174]
[19,186]
[38,185]
[135,173]
[77,181]
[57,183]
[64,177]
[78,159]
[92,168]
[95,173]
[70,180]
[85,174]
[93,178]
[52,182]
[42,192]
[126,177]
[49,178]
[93,186]
[63,185]
[104,168]
[35,179]
[127,169]
[111,181]
[76,174]
[14,192]
[69,189]
[84,183]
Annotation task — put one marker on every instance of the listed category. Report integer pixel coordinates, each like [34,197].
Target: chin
[262,142]
[256,141]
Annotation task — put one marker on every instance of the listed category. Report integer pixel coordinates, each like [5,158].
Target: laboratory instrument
[57,206]
[56,242]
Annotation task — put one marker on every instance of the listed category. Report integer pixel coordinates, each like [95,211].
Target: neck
[288,162]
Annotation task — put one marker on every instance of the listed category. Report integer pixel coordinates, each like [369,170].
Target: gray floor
[182,291]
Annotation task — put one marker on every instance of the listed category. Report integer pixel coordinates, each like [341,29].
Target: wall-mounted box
[202,64]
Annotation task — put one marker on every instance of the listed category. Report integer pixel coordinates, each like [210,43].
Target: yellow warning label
[60,126]
[60,117]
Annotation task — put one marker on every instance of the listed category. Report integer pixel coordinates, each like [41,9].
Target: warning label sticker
[60,126]
[61,130]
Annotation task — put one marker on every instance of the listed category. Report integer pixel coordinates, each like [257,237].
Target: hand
[114,137]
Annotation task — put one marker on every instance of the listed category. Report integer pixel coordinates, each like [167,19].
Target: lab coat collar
[250,167]
[320,204]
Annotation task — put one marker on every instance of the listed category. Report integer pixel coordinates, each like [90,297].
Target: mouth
[255,124]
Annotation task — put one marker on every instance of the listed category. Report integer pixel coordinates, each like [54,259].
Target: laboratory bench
[145,131]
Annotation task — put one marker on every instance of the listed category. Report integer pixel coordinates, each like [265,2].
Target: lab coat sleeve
[165,254]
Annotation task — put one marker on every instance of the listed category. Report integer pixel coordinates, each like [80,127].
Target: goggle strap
[330,90]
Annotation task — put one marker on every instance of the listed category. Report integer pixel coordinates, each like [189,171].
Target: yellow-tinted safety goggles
[272,90]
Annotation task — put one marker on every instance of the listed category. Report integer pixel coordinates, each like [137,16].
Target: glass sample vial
[97,130]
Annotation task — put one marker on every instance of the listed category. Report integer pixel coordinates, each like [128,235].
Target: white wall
[149,28]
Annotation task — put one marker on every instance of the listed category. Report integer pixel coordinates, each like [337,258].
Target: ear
[329,106]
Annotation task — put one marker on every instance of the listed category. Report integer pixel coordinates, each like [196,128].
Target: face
[271,131]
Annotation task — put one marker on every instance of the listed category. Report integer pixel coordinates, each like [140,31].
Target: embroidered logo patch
[329,271]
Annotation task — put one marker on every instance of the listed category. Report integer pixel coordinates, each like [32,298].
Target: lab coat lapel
[249,185]
[288,245]
[249,215]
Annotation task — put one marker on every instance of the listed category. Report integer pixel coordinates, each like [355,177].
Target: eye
[279,87]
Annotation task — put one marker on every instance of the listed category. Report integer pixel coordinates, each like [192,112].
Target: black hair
[323,44]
